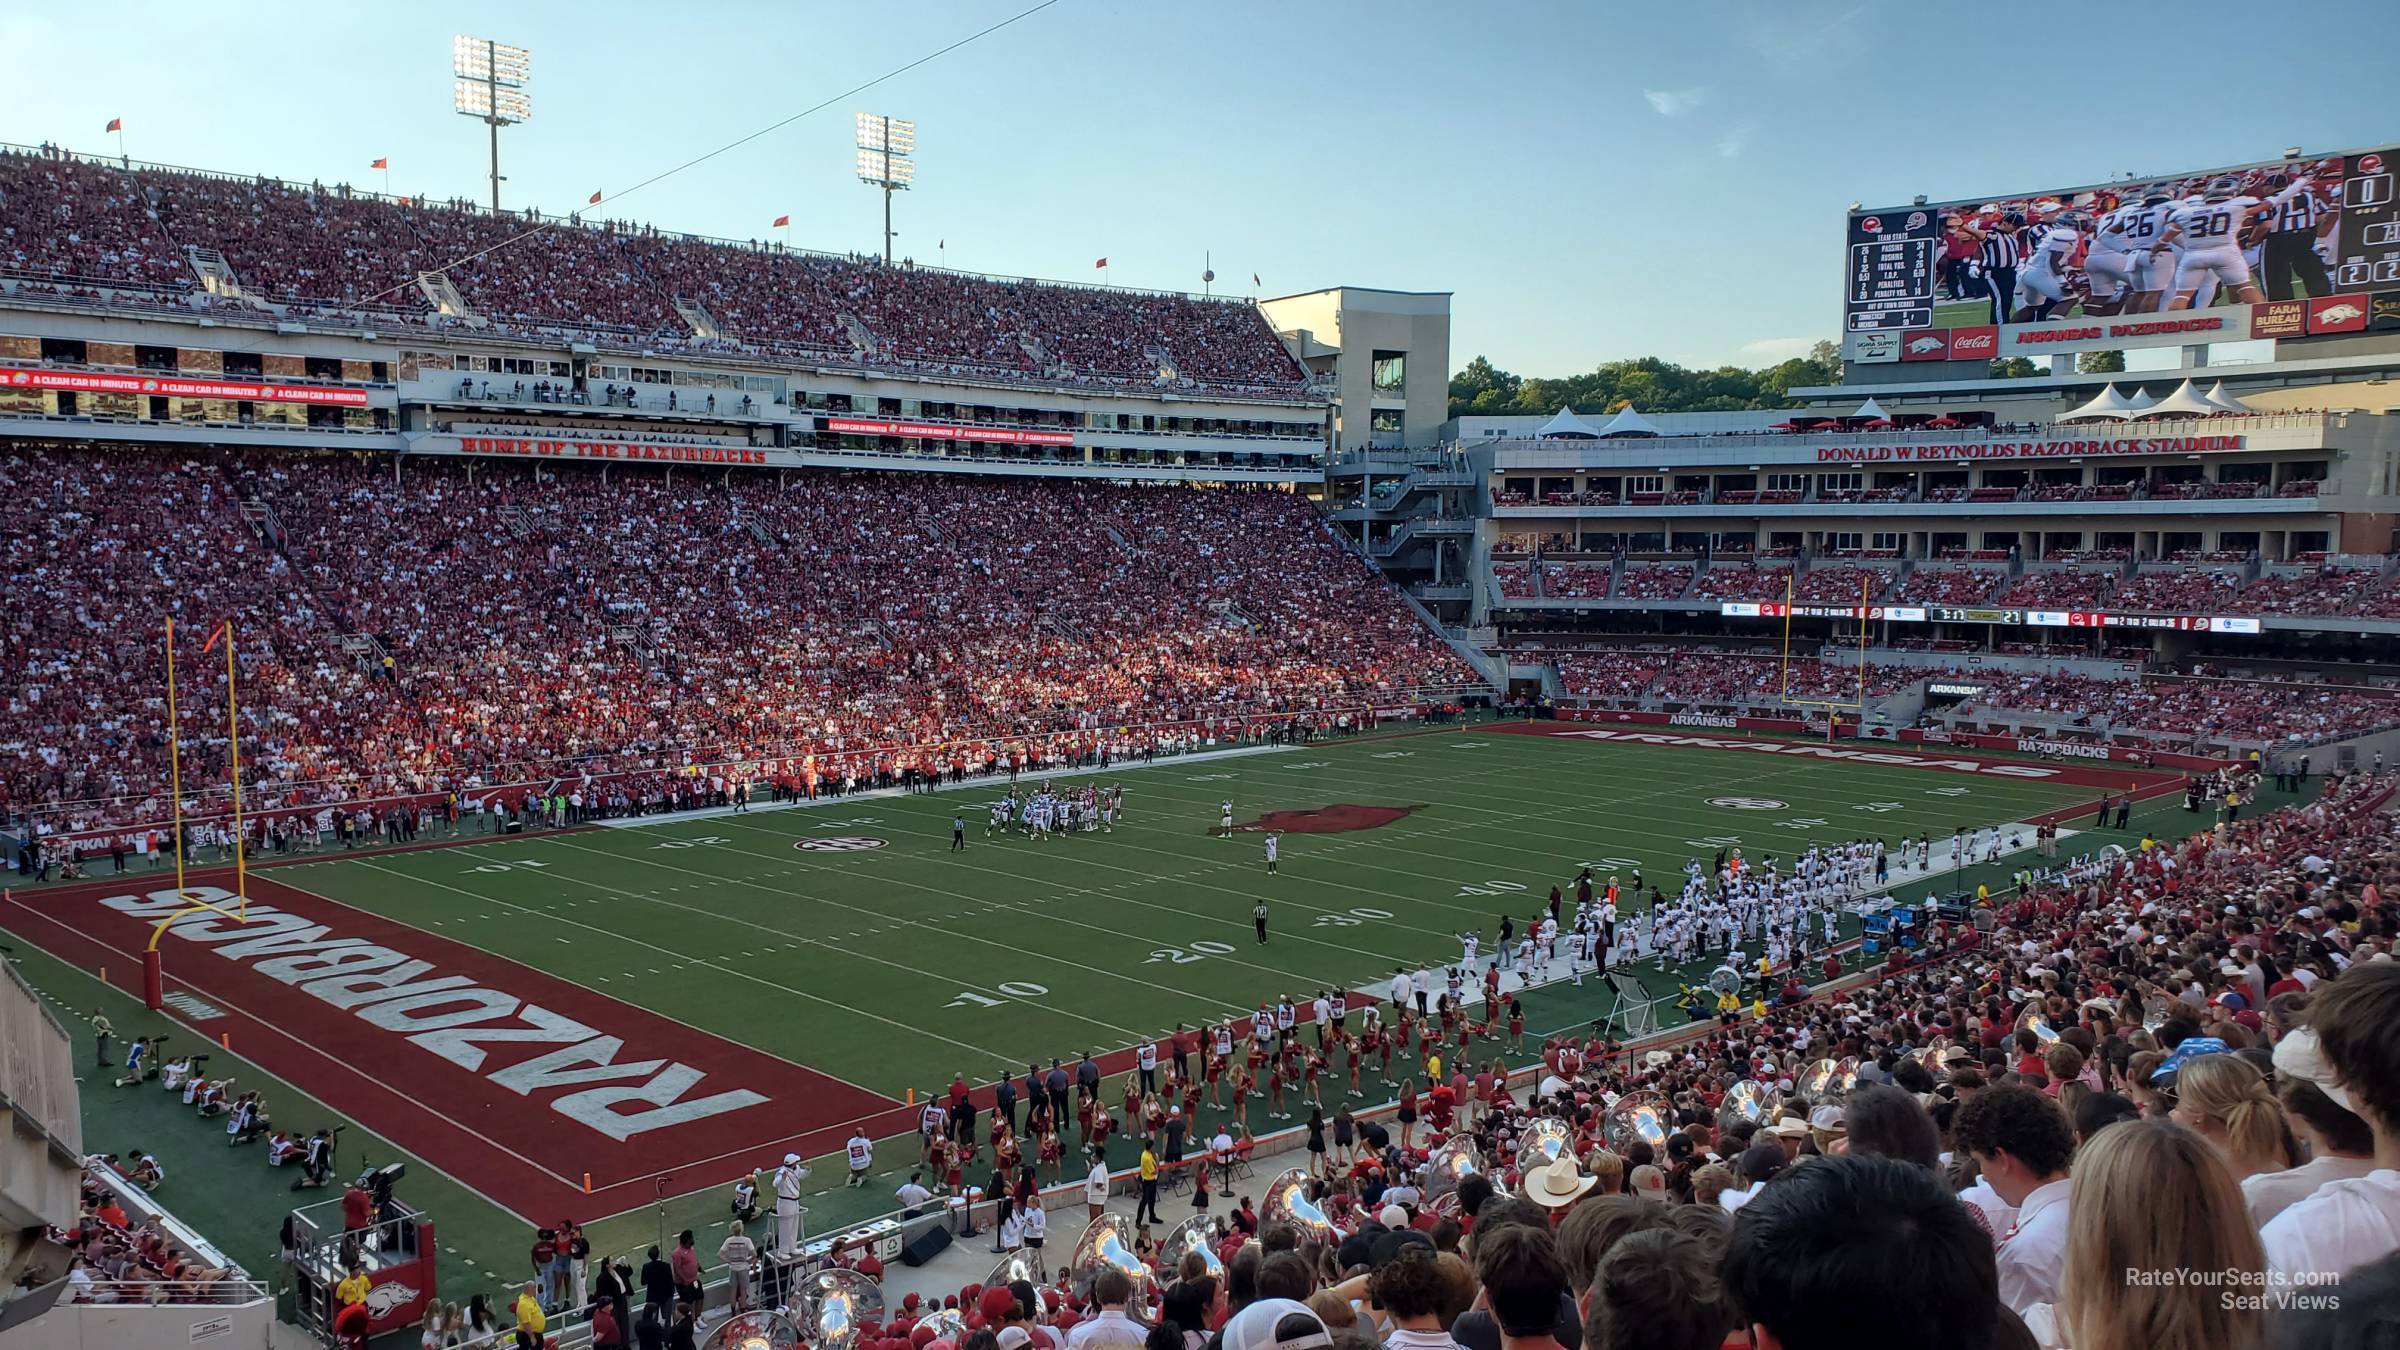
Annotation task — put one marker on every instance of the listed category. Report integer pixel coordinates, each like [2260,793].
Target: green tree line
[1653,385]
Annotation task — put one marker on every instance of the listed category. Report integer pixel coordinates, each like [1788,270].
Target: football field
[619,1019]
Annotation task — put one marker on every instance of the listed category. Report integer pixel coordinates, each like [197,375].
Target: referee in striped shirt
[2290,250]
[2002,250]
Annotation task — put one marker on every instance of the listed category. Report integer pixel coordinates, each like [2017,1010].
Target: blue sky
[1593,181]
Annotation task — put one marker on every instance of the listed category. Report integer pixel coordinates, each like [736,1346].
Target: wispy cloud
[1675,102]
[1786,39]
[1768,351]
[1735,140]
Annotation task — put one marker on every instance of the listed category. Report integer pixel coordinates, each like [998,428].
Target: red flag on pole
[781,221]
[1102,263]
[381,164]
[116,124]
[215,636]
[595,199]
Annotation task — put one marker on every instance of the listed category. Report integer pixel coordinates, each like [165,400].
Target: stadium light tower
[488,82]
[885,147]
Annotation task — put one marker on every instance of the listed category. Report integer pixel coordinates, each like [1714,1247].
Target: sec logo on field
[840,843]
[1748,803]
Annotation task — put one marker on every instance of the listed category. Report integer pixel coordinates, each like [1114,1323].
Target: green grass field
[894,967]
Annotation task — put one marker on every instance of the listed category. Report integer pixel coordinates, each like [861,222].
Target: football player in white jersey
[2141,227]
[2046,278]
[2110,263]
[2213,233]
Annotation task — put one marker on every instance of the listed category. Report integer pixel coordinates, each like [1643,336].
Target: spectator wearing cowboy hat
[1557,1185]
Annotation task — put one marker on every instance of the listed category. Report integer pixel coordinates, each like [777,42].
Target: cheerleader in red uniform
[1054,1152]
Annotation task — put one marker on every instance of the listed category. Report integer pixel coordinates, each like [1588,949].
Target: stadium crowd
[2152,1104]
[2251,708]
[82,228]
[532,625]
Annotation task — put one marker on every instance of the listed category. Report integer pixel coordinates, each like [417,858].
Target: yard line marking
[1044,957]
[728,970]
[854,954]
[1085,890]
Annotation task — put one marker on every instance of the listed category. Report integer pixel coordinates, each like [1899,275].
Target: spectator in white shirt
[1095,1186]
[2153,1200]
[2339,1145]
[2022,1142]
[2350,1223]
[1111,1290]
[912,1194]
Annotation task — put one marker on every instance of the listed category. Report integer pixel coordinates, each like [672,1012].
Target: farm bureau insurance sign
[1935,451]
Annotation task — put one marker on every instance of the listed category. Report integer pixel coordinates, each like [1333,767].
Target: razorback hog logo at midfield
[1338,819]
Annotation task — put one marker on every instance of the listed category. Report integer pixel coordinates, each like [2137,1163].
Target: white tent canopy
[2184,402]
[1870,411]
[1566,423]
[1627,422]
[2217,395]
[2108,402]
[2141,402]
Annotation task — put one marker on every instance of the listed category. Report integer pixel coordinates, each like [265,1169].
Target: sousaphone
[948,1324]
[1828,1080]
[834,1304]
[1107,1242]
[1186,1238]
[1453,1162]
[1287,1201]
[1748,1100]
[1637,1115]
[1546,1139]
[756,1331]
[1017,1265]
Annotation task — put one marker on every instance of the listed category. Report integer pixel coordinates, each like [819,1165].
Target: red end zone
[512,1080]
[2098,775]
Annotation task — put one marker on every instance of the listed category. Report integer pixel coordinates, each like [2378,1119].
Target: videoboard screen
[2281,249]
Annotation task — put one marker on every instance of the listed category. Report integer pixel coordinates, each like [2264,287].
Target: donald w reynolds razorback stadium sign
[1934,451]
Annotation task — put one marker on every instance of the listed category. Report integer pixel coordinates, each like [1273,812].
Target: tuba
[1453,1162]
[1287,1201]
[948,1324]
[756,1331]
[1017,1265]
[1828,1080]
[834,1304]
[1637,1115]
[1546,1139]
[1108,1241]
[1748,1100]
[2038,1023]
[1191,1235]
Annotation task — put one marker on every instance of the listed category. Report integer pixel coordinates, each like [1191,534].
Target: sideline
[980,780]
